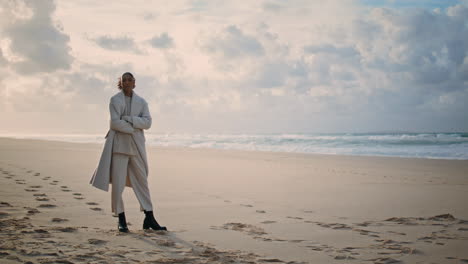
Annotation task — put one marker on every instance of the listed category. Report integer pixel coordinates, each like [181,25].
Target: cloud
[428,46]
[85,89]
[295,65]
[117,43]
[331,49]
[232,42]
[3,61]
[163,41]
[148,16]
[35,43]
[428,4]
[271,6]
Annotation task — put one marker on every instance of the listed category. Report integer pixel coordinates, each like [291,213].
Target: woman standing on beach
[123,161]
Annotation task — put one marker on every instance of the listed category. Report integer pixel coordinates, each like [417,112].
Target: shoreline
[246,151]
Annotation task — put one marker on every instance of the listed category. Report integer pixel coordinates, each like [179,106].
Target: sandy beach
[225,206]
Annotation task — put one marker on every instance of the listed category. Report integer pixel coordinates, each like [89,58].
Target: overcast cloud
[206,67]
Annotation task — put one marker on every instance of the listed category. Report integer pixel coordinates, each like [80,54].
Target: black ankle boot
[150,222]
[122,223]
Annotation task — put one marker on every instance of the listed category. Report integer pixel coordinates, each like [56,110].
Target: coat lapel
[122,103]
[135,107]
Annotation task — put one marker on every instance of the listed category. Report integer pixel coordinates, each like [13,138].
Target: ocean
[415,145]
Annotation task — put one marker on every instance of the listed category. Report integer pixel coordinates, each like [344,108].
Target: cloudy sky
[218,66]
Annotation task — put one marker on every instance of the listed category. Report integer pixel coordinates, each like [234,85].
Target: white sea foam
[422,145]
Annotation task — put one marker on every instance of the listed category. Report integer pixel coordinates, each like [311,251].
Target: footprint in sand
[42,199]
[55,181]
[295,217]
[32,210]
[30,190]
[260,211]
[95,209]
[296,240]
[63,186]
[340,226]
[318,247]
[385,260]
[5,204]
[37,174]
[42,231]
[66,229]
[40,194]
[3,214]
[47,206]
[241,227]
[165,243]
[364,232]
[79,197]
[342,257]
[246,205]
[35,186]
[397,233]
[52,183]
[58,220]
[271,260]
[95,241]
[77,194]
[66,190]
[92,203]
[268,222]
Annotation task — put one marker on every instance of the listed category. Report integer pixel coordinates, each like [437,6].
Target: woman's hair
[119,84]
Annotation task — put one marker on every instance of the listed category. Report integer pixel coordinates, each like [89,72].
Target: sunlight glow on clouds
[222,66]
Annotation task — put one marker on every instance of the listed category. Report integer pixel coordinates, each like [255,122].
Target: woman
[123,161]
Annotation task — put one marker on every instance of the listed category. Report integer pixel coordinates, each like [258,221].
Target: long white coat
[141,120]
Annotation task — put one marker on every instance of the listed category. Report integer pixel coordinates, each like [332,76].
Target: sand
[233,207]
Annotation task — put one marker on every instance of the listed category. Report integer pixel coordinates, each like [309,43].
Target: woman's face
[128,83]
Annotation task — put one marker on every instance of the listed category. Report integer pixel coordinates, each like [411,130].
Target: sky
[219,66]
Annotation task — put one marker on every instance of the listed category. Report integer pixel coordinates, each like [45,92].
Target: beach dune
[226,206]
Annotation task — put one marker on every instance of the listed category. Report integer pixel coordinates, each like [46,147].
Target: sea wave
[420,145]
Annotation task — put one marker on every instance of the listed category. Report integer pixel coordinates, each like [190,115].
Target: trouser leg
[139,181]
[119,173]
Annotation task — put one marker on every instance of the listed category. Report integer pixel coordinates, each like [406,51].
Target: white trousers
[122,165]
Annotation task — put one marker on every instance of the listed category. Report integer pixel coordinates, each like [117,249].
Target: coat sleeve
[142,121]
[116,123]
